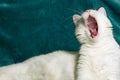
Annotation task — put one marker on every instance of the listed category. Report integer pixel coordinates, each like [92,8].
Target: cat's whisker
[80,10]
[73,10]
[95,5]
[110,27]
[69,18]
[71,23]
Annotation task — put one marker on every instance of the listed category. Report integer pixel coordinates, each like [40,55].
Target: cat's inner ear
[102,10]
[76,18]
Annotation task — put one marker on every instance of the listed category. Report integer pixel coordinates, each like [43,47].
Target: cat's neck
[105,45]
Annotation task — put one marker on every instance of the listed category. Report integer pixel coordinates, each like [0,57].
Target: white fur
[59,65]
[100,56]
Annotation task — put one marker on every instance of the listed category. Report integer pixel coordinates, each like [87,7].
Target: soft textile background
[33,27]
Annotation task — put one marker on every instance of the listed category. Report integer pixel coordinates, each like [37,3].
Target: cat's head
[92,26]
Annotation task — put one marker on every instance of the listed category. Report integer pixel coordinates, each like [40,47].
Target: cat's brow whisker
[67,19]
[95,5]
[80,10]
[74,10]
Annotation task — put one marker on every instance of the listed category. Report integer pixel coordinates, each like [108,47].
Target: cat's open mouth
[92,26]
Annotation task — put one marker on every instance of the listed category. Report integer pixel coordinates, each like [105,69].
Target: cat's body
[100,53]
[59,65]
[102,62]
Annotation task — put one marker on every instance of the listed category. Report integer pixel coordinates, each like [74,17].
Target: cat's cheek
[88,32]
[85,16]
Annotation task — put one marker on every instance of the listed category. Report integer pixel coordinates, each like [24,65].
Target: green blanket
[33,27]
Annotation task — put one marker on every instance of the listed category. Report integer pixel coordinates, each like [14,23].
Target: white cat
[59,65]
[99,54]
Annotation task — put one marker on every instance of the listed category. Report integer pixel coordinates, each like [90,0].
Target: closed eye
[78,35]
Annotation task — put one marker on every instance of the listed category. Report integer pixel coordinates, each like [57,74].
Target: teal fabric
[33,27]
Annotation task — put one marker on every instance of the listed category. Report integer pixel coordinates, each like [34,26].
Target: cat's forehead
[91,10]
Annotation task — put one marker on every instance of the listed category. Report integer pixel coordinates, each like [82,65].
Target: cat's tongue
[92,26]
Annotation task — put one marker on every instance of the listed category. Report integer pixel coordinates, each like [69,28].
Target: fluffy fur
[59,65]
[100,55]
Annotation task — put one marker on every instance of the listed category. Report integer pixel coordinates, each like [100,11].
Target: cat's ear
[76,18]
[102,10]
